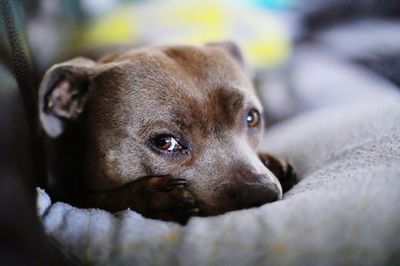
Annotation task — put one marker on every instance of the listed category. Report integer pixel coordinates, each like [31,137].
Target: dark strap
[23,72]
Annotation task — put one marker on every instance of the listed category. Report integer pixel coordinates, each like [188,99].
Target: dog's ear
[231,48]
[62,94]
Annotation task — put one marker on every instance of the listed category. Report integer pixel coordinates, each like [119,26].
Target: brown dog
[170,132]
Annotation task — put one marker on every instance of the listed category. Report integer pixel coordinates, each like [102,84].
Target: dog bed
[345,209]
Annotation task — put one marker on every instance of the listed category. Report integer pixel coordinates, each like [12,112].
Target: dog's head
[183,111]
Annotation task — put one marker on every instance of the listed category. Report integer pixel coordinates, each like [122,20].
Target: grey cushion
[345,210]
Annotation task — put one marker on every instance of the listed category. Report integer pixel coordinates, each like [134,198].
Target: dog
[170,132]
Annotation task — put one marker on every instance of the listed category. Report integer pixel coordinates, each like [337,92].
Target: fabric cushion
[345,209]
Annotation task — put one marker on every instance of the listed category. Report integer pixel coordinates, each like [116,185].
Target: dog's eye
[253,118]
[167,143]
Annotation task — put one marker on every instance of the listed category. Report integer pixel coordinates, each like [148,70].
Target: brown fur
[199,94]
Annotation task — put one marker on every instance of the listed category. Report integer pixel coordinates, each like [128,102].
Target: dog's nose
[255,194]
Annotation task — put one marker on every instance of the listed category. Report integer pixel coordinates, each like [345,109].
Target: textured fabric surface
[345,210]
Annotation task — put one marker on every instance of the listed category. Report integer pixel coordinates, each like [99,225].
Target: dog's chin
[206,210]
[228,201]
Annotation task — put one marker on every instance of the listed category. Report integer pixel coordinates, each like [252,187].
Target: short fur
[101,117]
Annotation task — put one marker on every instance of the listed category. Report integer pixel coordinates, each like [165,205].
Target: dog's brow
[230,99]
[149,127]
[223,105]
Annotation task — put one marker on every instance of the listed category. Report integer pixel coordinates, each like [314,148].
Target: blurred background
[302,54]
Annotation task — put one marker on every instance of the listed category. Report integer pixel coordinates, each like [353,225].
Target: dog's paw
[166,198]
[282,169]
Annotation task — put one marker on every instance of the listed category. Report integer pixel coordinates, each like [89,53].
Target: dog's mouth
[173,198]
[228,197]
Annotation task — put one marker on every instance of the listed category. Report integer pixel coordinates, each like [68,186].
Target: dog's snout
[241,186]
[255,194]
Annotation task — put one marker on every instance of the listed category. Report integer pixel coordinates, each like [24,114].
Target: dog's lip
[210,209]
[203,210]
[200,204]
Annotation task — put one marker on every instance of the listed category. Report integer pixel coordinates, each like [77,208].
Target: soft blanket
[345,210]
